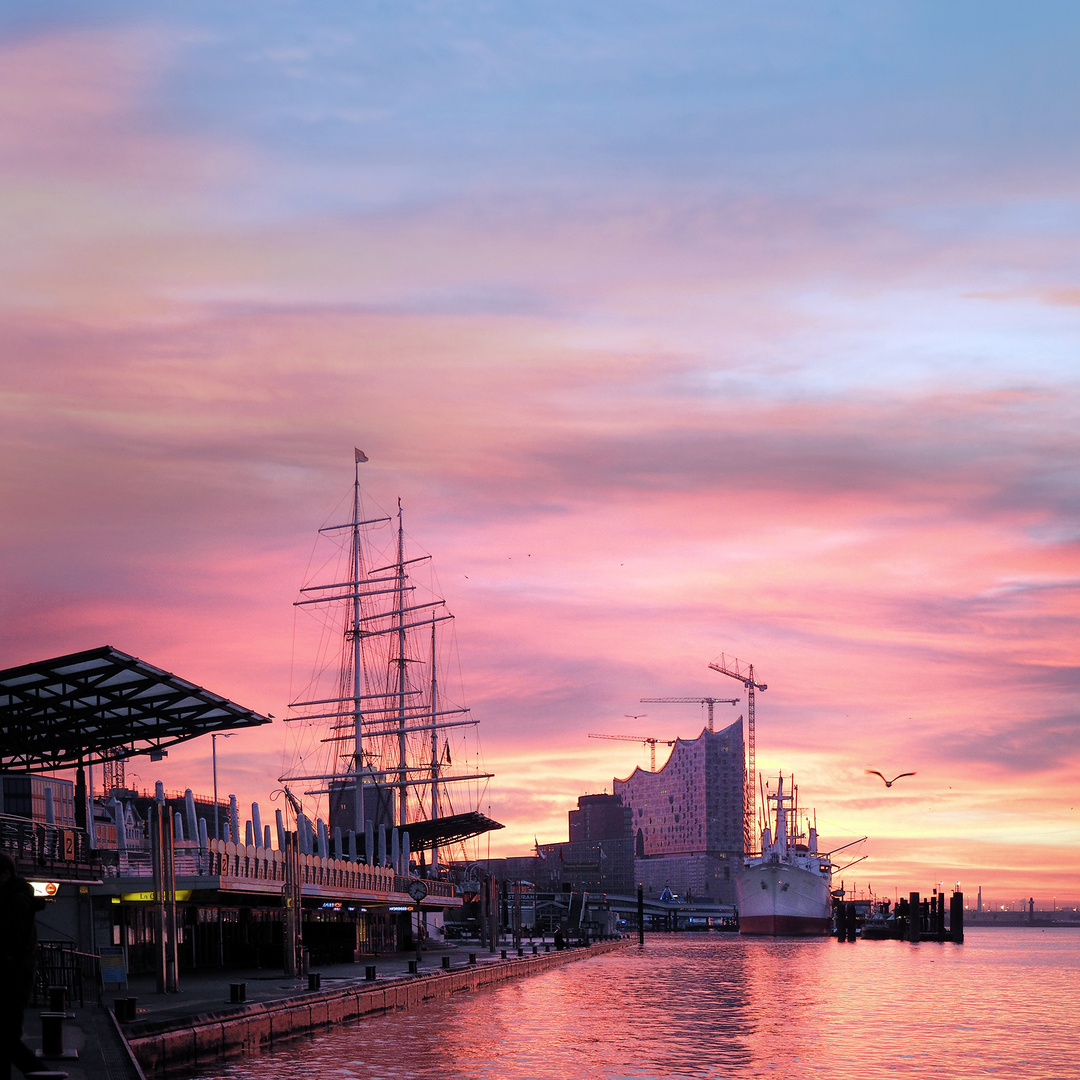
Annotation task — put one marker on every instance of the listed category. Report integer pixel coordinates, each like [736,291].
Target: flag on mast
[360,455]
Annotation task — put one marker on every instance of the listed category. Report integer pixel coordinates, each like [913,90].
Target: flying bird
[888,783]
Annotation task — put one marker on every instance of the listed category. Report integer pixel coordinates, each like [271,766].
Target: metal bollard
[52,1037]
[446,963]
[412,967]
[369,972]
[503,952]
[472,958]
[521,951]
[535,950]
[237,993]
[314,980]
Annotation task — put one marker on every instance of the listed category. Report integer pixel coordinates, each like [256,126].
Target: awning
[102,705]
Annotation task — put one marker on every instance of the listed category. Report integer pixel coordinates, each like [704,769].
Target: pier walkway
[274,1005]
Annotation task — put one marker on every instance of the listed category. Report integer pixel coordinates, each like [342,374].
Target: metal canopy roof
[101,705]
[449,830]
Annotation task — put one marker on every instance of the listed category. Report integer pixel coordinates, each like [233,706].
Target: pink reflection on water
[722,1006]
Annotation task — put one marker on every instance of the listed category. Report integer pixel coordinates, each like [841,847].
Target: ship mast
[357,660]
[383,722]
[401,661]
[434,749]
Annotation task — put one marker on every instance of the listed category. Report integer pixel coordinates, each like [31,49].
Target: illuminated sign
[149,898]
[400,907]
[45,888]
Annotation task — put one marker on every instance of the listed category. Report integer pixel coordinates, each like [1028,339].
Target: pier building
[142,873]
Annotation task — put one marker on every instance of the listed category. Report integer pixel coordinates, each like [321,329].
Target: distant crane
[745,675]
[644,740]
[710,701]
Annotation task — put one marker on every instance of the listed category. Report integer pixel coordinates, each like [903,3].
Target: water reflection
[723,1006]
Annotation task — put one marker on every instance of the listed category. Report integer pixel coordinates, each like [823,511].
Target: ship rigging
[380,741]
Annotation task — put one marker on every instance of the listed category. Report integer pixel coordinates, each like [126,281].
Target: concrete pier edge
[183,1044]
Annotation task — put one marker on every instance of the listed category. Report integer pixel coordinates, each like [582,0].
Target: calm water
[1006,1003]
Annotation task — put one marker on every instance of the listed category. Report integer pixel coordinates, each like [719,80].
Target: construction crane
[710,701]
[745,675]
[644,740]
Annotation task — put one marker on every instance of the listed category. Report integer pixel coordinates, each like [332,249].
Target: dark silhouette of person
[18,958]
[560,941]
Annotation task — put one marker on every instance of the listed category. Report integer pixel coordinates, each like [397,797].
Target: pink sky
[829,426]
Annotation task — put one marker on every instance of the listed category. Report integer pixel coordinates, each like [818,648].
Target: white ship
[785,889]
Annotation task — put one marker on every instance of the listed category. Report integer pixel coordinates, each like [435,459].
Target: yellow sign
[148,897]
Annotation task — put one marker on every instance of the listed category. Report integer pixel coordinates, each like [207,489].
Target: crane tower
[745,675]
[644,740]
[710,701]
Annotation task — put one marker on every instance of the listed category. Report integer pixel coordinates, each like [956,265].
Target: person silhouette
[18,958]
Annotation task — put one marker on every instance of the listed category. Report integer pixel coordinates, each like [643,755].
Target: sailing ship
[379,742]
[784,889]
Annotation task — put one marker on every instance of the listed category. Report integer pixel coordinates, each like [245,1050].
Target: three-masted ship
[392,757]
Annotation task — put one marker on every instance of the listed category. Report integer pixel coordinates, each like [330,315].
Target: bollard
[57,999]
[547,946]
[472,958]
[521,951]
[237,993]
[369,972]
[503,951]
[412,967]
[535,950]
[314,980]
[446,963]
[52,1037]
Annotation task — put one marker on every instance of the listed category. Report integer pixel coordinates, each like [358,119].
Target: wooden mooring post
[914,917]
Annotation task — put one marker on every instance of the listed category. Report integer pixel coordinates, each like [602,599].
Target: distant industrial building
[599,857]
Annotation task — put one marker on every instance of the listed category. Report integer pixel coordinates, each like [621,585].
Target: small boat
[785,888]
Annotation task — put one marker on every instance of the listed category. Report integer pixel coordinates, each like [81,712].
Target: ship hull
[779,899]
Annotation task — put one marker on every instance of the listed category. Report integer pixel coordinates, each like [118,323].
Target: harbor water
[1003,1004]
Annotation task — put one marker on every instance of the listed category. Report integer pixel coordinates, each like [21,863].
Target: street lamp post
[213,753]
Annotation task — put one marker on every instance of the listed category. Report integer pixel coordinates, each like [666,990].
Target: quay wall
[161,1047]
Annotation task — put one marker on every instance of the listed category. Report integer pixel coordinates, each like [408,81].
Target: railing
[34,846]
[238,862]
[58,964]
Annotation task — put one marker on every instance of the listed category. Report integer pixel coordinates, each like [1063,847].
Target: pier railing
[47,849]
[60,964]
[238,865]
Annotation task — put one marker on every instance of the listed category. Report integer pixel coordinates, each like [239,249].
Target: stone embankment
[184,1043]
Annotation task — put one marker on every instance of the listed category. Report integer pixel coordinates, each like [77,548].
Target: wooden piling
[914,919]
[956,917]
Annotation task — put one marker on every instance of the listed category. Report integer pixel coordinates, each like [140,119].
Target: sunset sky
[679,328]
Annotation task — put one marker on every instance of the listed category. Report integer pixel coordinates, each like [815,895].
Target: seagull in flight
[888,783]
